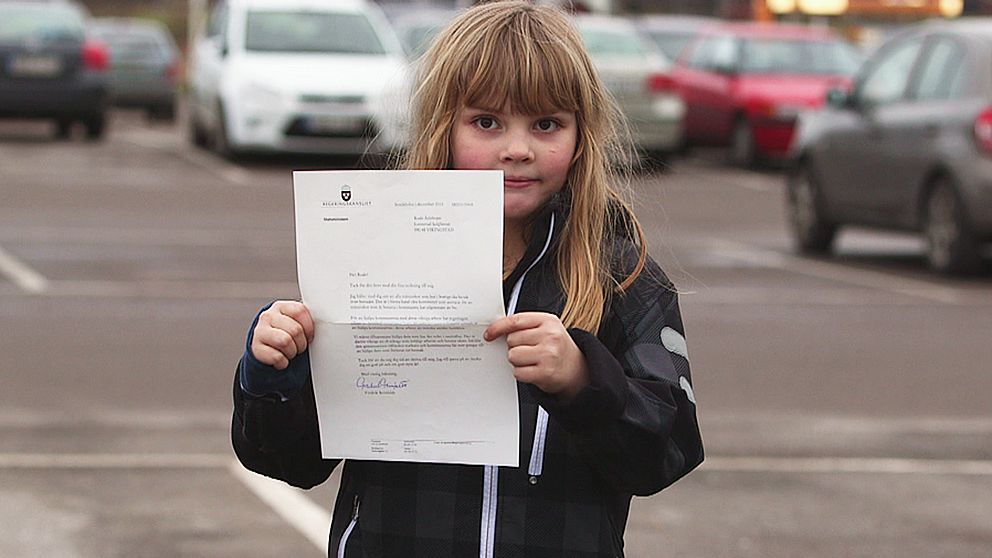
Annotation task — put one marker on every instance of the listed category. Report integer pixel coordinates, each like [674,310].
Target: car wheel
[161,113]
[811,232]
[197,134]
[951,248]
[95,125]
[221,139]
[63,128]
[742,148]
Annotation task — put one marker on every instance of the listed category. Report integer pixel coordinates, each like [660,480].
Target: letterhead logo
[346,201]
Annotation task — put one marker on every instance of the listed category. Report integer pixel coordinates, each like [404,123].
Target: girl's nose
[517,148]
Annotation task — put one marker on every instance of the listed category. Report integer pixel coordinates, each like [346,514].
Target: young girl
[593,328]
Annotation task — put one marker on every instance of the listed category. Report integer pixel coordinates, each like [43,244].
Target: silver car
[671,33]
[636,73]
[909,148]
[418,25]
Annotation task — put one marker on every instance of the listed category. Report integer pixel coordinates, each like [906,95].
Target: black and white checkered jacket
[632,431]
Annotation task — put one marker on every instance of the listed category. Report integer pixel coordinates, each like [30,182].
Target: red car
[745,84]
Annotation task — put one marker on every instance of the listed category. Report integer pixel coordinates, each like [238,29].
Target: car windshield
[311,32]
[45,24]
[670,43]
[602,42]
[791,56]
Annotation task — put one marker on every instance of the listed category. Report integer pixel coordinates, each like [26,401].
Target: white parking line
[113,461]
[17,418]
[885,466]
[823,270]
[282,497]
[22,275]
[756,296]
[229,172]
[116,236]
[223,290]
[713,173]
[167,142]
[313,521]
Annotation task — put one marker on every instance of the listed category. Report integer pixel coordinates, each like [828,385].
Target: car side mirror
[839,98]
[725,69]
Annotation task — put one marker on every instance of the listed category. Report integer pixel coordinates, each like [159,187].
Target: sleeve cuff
[261,380]
[602,400]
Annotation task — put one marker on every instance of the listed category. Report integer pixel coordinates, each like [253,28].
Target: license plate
[36,66]
[336,124]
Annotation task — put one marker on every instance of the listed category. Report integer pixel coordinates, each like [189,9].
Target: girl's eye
[547,125]
[486,122]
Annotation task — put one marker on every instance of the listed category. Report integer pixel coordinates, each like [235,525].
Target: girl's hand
[542,352]
[282,332]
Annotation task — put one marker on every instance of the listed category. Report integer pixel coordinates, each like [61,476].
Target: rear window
[611,43]
[670,43]
[133,43]
[786,56]
[311,32]
[43,23]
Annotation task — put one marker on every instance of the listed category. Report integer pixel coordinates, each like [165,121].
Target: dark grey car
[909,148]
[144,64]
[48,67]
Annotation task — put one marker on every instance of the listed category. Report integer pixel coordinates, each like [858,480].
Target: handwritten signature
[379,383]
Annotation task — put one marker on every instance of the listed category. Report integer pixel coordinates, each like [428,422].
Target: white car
[300,76]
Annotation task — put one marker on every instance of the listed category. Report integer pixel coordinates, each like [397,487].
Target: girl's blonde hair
[515,56]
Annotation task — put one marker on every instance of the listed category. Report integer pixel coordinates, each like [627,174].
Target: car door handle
[931,130]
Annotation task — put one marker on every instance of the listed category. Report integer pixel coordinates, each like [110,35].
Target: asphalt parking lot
[843,402]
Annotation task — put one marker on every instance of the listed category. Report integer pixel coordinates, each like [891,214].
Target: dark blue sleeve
[261,380]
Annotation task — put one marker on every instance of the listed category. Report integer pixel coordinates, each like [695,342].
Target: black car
[49,69]
[910,148]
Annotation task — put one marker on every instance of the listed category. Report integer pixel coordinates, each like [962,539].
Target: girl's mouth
[518,182]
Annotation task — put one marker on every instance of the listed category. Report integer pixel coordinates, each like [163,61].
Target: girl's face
[533,151]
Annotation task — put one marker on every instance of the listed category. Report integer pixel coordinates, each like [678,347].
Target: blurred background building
[843,13]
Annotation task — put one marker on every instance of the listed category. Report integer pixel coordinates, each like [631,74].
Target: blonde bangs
[520,66]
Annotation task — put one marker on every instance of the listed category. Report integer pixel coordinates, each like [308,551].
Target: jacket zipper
[537,450]
[490,483]
[351,527]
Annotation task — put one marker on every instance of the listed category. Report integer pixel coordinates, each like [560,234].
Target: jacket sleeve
[279,438]
[274,427]
[636,420]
